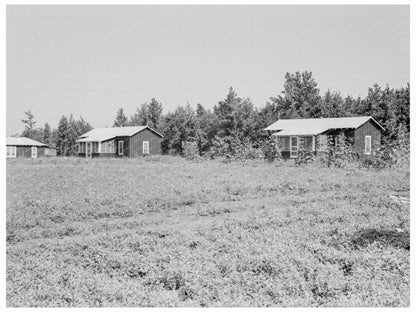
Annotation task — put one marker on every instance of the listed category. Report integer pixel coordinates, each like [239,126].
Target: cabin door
[294,146]
[88,152]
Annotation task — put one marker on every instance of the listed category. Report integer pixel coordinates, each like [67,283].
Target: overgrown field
[171,232]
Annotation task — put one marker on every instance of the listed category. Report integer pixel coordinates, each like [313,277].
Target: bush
[234,149]
[339,151]
[271,150]
[393,152]
[191,150]
[304,157]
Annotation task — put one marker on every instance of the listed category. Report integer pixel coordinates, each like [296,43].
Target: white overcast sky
[91,60]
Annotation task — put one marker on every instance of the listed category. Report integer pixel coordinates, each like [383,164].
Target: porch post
[313,144]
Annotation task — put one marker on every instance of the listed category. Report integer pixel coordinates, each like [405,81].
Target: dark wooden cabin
[27,148]
[120,142]
[364,133]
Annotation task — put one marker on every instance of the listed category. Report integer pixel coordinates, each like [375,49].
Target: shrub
[339,151]
[271,150]
[395,152]
[304,157]
[191,150]
[234,149]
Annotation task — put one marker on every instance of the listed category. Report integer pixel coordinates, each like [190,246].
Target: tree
[205,128]
[348,106]
[179,127]
[332,105]
[300,97]
[72,135]
[245,120]
[268,114]
[30,123]
[62,142]
[225,113]
[121,119]
[401,107]
[83,126]
[149,114]
[141,116]
[154,114]
[237,118]
[47,134]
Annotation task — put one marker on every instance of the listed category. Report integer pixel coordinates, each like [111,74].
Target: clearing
[164,231]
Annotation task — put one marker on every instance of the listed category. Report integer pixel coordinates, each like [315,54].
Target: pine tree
[225,114]
[155,112]
[141,116]
[47,133]
[121,119]
[30,123]
[73,133]
[62,135]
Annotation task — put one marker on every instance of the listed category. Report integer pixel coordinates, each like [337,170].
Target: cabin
[27,148]
[120,142]
[364,133]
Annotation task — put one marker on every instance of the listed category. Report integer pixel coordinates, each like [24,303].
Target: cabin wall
[82,148]
[369,128]
[106,155]
[136,143]
[26,151]
[304,143]
[126,147]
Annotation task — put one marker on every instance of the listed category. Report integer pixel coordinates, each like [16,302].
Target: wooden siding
[136,143]
[82,148]
[26,151]
[106,155]
[125,146]
[132,146]
[369,128]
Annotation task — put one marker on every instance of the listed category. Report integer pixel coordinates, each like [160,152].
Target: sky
[92,60]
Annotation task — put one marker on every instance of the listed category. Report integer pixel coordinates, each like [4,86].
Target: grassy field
[171,232]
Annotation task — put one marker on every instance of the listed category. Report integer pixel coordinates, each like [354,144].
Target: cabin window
[367,145]
[145,147]
[120,147]
[323,142]
[107,147]
[95,147]
[307,143]
[284,143]
[34,151]
[79,147]
[11,151]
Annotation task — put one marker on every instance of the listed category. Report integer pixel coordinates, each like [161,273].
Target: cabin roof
[314,126]
[22,141]
[103,134]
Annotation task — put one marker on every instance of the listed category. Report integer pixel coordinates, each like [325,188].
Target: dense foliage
[234,127]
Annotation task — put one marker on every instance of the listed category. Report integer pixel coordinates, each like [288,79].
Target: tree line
[235,123]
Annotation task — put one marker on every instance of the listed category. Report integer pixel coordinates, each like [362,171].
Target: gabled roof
[103,134]
[22,141]
[314,126]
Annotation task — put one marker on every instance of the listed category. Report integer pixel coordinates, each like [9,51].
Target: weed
[170,232]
